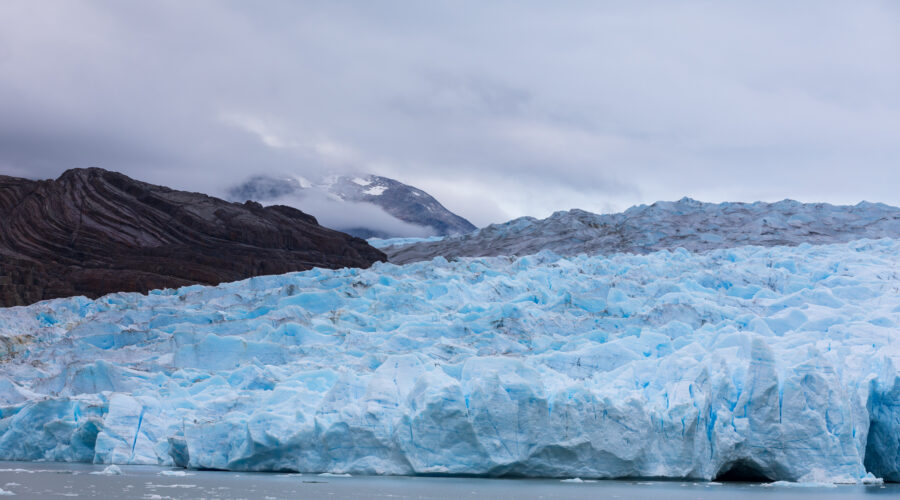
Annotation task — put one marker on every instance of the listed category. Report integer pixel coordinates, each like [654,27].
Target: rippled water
[54,480]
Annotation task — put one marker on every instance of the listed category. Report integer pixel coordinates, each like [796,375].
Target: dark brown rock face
[93,232]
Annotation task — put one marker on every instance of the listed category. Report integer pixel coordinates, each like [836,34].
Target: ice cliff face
[685,223]
[780,362]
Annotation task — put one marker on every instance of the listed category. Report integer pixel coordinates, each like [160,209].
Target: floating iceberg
[778,363]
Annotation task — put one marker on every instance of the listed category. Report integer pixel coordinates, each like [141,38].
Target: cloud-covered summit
[362,205]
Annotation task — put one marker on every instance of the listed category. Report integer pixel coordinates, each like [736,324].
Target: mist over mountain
[362,205]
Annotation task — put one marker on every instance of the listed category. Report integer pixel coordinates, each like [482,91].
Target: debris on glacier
[778,363]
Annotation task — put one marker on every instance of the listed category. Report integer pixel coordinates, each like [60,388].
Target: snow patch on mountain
[375,190]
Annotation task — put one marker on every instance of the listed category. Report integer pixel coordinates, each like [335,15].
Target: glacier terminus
[778,362]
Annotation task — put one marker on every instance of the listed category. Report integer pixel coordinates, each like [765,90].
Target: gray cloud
[346,216]
[499,109]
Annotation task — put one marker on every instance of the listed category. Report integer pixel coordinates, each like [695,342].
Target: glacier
[664,225]
[772,362]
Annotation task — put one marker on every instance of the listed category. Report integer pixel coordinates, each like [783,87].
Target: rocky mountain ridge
[93,231]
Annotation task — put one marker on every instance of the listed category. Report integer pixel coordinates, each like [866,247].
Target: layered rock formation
[92,232]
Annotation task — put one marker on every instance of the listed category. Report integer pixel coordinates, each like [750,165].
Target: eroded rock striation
[91,232]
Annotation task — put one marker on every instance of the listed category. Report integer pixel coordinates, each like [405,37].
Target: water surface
[56,480]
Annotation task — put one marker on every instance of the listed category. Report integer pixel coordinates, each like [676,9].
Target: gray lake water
[55,480]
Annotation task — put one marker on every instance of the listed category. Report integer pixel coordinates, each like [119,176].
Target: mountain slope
[351,193]
[93,231]
[686,223]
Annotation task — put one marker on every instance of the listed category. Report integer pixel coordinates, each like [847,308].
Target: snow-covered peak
[405,211]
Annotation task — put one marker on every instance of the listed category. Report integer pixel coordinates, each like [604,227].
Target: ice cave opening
[742,471]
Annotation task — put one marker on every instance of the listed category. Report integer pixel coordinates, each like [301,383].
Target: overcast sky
[497,108]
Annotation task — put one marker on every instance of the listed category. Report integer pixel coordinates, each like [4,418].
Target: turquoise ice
[781,361]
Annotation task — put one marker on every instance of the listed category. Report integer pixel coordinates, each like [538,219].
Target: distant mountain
[92,232]
[416,213]
[686,223]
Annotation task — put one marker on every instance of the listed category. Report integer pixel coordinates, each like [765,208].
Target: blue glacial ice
[781,361]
